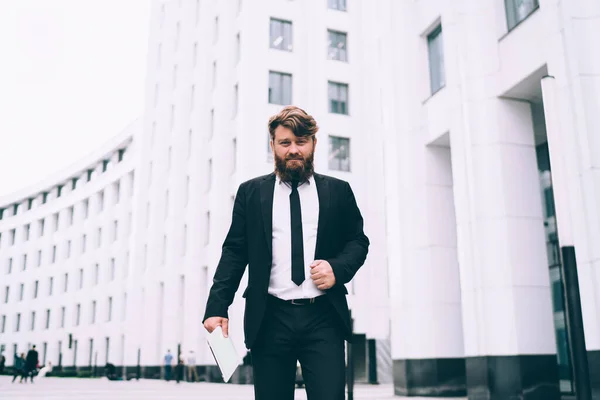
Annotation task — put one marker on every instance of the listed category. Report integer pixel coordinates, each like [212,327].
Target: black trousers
[310,334]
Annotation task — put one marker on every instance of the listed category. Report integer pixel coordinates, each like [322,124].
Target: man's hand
[322,274]
[211,324]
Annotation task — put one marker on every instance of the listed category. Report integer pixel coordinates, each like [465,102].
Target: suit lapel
[267,188]
[324,194]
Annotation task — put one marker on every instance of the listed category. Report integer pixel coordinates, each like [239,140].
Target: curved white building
[64,255]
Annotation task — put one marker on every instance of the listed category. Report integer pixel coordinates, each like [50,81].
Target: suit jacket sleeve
[353,255]
[234,258]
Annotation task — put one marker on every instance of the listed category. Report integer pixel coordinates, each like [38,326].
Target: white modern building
[492,182]
[217,70]
[467,129]
[65,260]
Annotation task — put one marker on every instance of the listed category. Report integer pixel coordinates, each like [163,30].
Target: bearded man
[301,235]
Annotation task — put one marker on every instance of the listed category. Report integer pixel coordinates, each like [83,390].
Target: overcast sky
[71,77]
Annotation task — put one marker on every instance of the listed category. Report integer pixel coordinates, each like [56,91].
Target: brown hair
[296,119]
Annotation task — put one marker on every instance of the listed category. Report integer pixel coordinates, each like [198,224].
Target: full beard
[299,173]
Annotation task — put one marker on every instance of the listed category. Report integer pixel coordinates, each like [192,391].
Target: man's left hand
[322,274]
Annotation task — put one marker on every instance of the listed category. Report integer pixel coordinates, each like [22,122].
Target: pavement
[103,389]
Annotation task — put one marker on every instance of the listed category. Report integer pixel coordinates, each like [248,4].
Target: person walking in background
[168,362]
[179,369]
[19,367]
[301,235]
[192,372]
[31,363]
[2,363]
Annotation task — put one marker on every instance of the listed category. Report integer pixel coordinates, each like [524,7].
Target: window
[13,234]
[120,155]
[35,289]
[83,243]
[50,285]
[338,98]
[86,208]
[63,311]
[24,262]
[281,35]
[96,273]
[238,48]
[29,203]
[39,258]
[27,231]
[518,10]
[280,88]
[195,54]
[80,278]
[44,197]
[172,118]
[59,190]
[436,59]
[214,74]
[339,5]
[44,351]
[339,153]
[48,319]
[164,250]
[105,164]
[6,294]
[115,230]
[77,314]
[234,156]
[99,237]
[32,320]
[100,201]
[93,315]
[68,248]
[21,291]
[235,99]
[337,46]
[16,209]
[216,29]
[184,241]
[74,183]
[112,269]
[3,324]
[56,221]
[209,174]
[207,228]
[71,215]
[90,174]
[9,266]
[53,254]
[18,322]
[177,34]
[109,311]
[124,307]
[174,76]
[41,227]
[66,282]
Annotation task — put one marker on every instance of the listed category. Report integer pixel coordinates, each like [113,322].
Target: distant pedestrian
[2,363]
[179,369]
[192,372]
[168,362]
[19,367]
[31,363]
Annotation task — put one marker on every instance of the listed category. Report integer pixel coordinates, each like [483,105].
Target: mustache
[295,158]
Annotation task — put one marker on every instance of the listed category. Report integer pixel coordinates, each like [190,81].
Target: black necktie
[297,241]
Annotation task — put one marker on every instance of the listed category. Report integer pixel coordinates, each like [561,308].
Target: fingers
[315,263]
[225,327]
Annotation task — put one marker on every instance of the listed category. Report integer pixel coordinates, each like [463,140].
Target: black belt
[300,302]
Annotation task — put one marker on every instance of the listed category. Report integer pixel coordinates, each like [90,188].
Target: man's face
[293,155]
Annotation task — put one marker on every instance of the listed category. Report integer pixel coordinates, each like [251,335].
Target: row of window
[36,284]
[16,208]
[280,38]
[62,316]
[70,215]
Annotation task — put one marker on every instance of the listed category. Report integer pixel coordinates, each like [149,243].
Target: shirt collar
[288,184]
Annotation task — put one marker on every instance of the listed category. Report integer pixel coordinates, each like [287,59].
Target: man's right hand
[211,324]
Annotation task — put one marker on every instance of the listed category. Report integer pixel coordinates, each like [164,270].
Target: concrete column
[507,309]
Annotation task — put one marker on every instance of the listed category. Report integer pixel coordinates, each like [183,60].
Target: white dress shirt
[280,284]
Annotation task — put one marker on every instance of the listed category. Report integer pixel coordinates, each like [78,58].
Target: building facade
[216,72]
[491,154]
[64,251]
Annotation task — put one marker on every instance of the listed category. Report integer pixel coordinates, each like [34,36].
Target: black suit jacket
[340,241]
